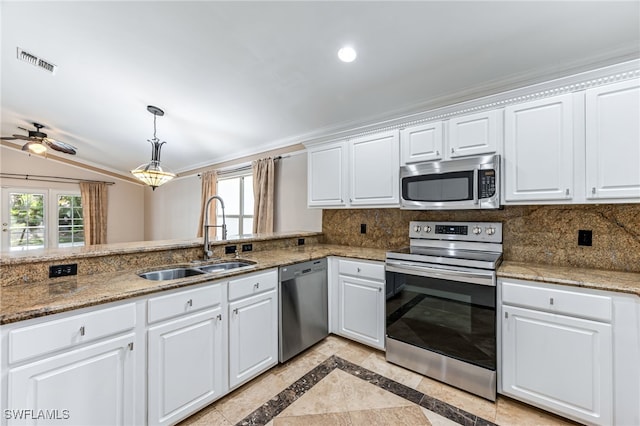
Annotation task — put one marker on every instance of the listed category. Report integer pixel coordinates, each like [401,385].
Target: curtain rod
[42,178]
[243,168]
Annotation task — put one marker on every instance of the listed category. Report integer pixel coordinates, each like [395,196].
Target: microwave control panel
[486,183]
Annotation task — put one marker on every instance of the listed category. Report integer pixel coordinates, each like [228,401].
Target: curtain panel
[209,188]
[263,186]
[94,212]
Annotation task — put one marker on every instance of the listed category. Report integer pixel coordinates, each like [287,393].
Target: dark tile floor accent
[278,403]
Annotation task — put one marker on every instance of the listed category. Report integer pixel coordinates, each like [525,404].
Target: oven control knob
[427,229]
[476,230]
[490,231]
[417,228]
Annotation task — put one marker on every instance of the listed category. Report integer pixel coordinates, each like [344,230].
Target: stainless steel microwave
[465,183]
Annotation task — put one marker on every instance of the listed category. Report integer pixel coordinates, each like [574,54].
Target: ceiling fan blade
[24,138]
[60,146]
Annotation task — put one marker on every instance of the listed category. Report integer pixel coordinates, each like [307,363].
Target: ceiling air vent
[36,61]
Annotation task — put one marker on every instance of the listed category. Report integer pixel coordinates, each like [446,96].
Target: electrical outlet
[230,249]
[300,241]
[247,247]
[584,237]
[63,270]
[363,228]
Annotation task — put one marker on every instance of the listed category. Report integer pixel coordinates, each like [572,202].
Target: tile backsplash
[539,234]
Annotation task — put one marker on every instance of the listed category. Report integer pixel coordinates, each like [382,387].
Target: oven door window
[454,319]
[454,186]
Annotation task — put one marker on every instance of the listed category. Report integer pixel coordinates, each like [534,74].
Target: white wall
[173,210]
[291,212]
[125,203]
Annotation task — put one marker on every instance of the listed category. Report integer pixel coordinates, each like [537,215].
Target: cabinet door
[474,134]
[559,363]
[361,310]
[93,385]
[613,141]
[421,143]
[253,337]
[538,150]
[185,370]
[374,167]
[327,178]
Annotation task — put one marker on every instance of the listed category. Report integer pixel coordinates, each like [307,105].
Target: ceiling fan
[38,141]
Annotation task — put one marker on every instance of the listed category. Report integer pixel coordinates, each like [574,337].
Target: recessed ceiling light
[347,54]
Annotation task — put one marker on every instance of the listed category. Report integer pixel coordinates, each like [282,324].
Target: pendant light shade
[152,173]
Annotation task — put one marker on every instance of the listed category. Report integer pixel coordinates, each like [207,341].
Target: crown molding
[559,86]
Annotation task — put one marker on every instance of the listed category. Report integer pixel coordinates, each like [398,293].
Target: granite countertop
[31,300]
[51,296]
[599,279]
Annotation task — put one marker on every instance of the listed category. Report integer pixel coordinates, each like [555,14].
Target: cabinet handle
[593,190]
[256,285]
[219,317]
[453,150]
[130,345]
[235,311]
[190,303]
[551,300]
[438,153]
[379,289]
[358,269]
[82,330]
[566,192]
[506,314]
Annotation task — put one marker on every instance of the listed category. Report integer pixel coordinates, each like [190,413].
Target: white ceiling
[238,78]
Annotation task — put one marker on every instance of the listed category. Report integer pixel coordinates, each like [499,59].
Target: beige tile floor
[343,399]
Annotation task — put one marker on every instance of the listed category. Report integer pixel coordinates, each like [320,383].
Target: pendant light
[152,173]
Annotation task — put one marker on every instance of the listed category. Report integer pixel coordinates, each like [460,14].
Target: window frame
[50,216]
[243,175]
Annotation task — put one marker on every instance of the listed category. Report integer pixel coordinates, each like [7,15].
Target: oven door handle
[481,278]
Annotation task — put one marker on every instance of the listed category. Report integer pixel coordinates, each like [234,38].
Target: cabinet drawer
[252,284]
[39,339]
[361,269]
[171,305]
[566,302]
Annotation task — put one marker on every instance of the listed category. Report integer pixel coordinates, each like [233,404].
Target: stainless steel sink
[223,266]
[175,273]
[170,274]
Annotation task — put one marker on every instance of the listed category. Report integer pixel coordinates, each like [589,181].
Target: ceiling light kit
[38,141]
[347,54]
[152,173]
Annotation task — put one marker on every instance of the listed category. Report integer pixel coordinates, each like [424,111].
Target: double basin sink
[183,272]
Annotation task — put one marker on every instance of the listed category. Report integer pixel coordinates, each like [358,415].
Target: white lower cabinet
[360,301]
[82,371]
[253,326]
[557,350]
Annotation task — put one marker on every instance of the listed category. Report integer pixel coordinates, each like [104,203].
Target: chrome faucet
[207,252]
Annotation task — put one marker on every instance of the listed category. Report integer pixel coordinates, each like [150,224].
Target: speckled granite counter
[624,282]
[46,297]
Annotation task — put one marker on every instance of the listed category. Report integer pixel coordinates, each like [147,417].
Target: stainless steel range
[441,303]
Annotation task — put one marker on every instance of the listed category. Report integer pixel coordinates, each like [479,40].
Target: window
[44,218]
[27,218]
[70,221]
[237,193]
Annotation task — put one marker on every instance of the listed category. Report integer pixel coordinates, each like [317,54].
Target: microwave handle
[476,172]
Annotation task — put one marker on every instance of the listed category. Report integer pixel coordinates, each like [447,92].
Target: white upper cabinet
[359,172]
[460,136]
[374,175]
[327,175]
[422,143]
[538,150]
[474,134]
[613,141]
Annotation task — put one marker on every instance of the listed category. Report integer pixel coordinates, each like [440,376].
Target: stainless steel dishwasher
[303,309]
